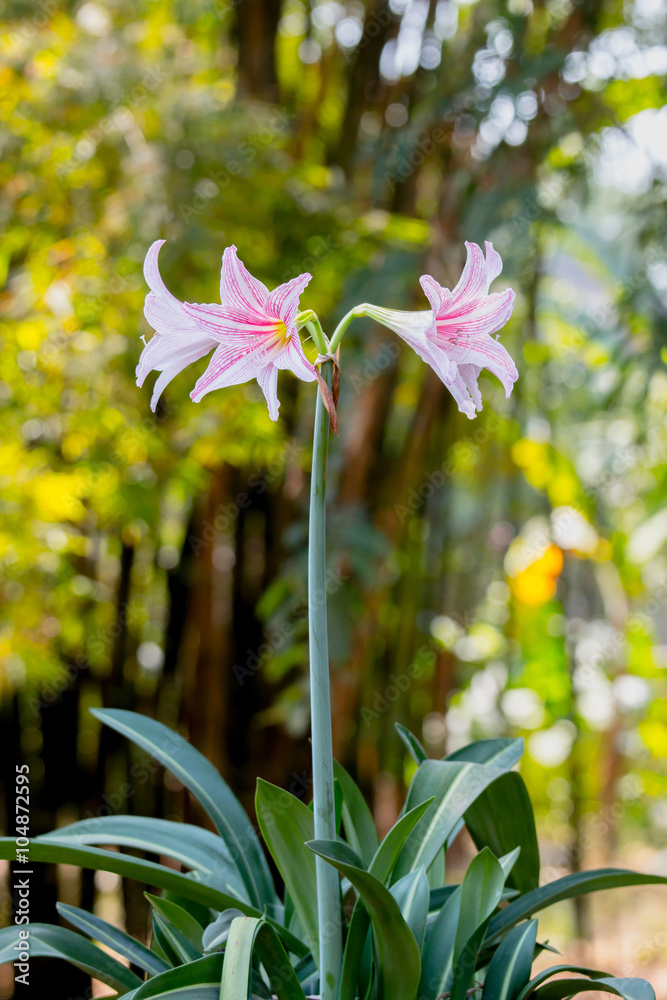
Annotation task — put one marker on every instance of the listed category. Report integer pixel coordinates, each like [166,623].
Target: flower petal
[486,352]
[470,374]
[230,320]
[459,391]
[239,287]
[494,264]
[472,282]
[165,350]
[162,381]
[231,364]
[485,315]
[435,293]
[402,322]
[152,271]
[268,381]
[284,300]
[292,357]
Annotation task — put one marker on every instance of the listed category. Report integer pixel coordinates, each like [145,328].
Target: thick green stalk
[355,313]
[328,904]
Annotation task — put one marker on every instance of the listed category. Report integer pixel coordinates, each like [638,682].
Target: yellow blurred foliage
[57,496]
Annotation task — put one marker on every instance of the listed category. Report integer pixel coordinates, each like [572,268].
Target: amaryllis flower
[455,336]
[252,330]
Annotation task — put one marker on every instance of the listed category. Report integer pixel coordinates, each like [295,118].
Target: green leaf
[149,872]
[165,943]
[248,935]
[48,941]
[193,846]
[397,954]
[413,745]
[502,818]
[436,872]
[454,786]
[509,969]
[481,891]
[357,817]
[502,752]
[438,957]
[629,989]
[113,938]
[237,966]
[201,778]
[144,871]
[286,824]
[555,970]
[182,921]
[198,980]
[577,884]
[381,866]
[412,895]
[382,863]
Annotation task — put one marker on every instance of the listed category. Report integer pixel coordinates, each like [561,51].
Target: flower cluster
[255,332]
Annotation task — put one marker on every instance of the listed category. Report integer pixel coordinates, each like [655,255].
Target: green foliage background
[504,576]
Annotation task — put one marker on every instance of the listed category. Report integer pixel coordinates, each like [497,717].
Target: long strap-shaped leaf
[208,787]
[412,744]
[144,871]
[357,817]
[193,846]
[481,891]
[437,964]
[381,867]
[247,936]
[501,752]
[198,980]
[396,948]
[286,825]
[628,989]
[454,785]
[509,970]
[577,884]
[113,938]
[47,941]
[501,818]
[555,970]
[179,918]
[412,895]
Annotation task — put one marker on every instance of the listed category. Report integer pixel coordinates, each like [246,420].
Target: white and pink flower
[253,332]
[455,337]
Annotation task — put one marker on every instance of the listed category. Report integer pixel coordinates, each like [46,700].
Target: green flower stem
[328,892]
[355,313]
[310,320]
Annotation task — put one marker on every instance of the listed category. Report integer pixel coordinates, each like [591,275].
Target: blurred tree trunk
[257,26]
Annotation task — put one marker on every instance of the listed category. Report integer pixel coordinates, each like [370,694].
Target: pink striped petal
[284,300]
[239,287]
[293,358]
[224,321]
[230,365]
[472,282]
[435,293]
[434,356]
[485,352]
[486,315]
[268,382]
